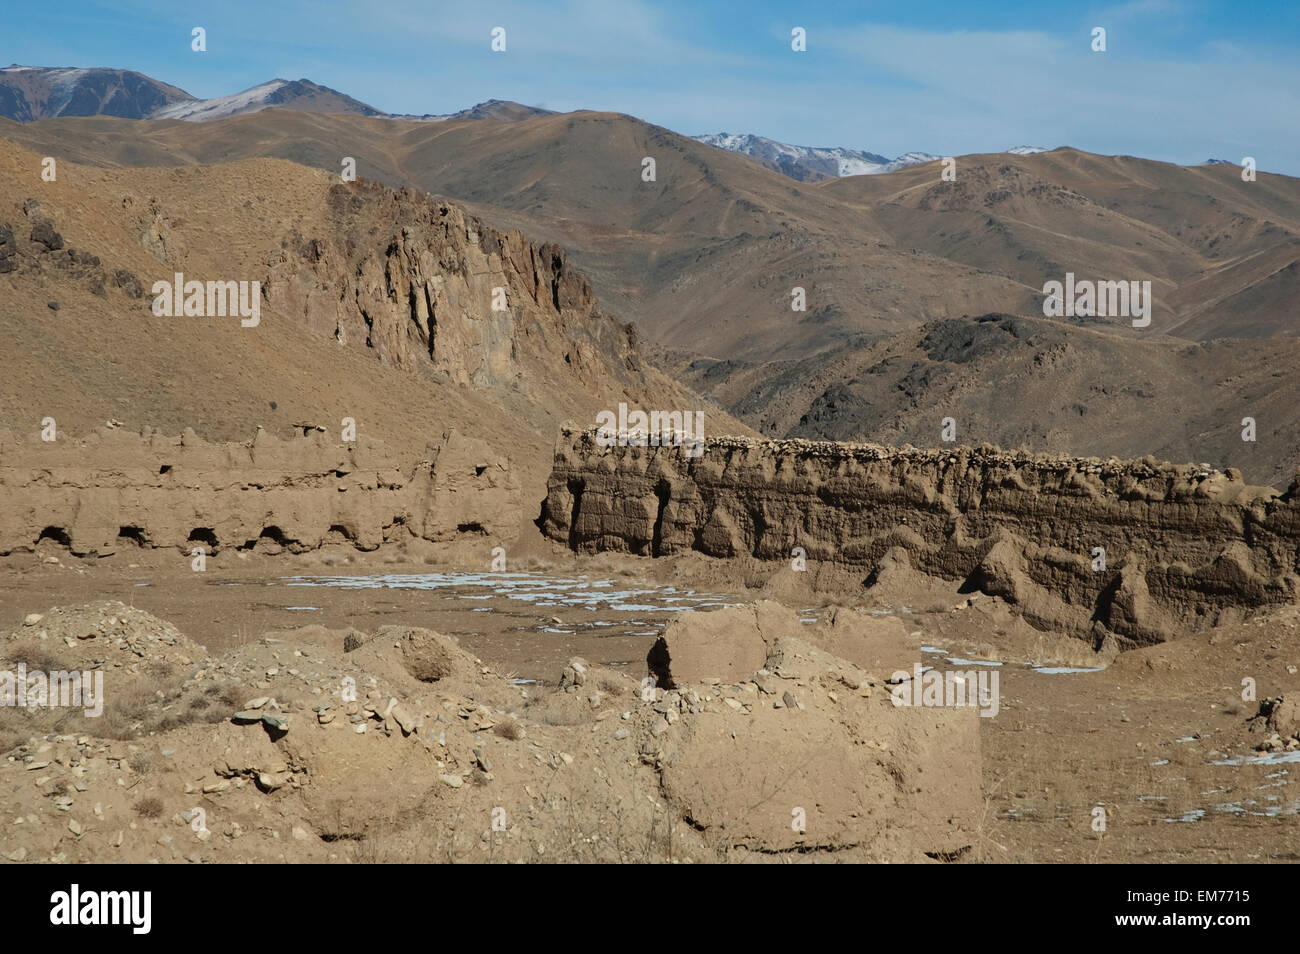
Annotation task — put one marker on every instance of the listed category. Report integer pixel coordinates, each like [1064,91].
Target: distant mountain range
[29,93]
[923,297]
[811,163]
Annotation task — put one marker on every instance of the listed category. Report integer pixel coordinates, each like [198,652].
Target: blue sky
[1181,80]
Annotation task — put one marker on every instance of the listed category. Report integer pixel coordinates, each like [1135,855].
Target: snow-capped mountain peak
[277,92]
[800,162]
[250,100]
[805,162]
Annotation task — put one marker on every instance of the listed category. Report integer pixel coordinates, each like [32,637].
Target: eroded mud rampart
[1185,547]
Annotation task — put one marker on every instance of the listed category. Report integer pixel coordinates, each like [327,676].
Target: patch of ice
[1272,758]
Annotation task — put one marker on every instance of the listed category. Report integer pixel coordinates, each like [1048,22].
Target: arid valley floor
[1159,737]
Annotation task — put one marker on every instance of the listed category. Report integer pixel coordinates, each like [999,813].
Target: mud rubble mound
[398,745]
[1140,551]
[732,643]
[1280,718]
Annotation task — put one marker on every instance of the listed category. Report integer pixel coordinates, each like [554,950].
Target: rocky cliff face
[1184,547]
[423,283]
[118,489]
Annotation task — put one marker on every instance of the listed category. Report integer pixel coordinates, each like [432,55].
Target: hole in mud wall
[165,469]
[478,469]
[657,662]
[204,536]
[55,535]
[576,488]
[270,540]
[759,523]
[470,528]
[132,534]
[663,492]
[338,533]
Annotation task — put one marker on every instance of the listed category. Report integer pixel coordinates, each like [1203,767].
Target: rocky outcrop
[1141,550]
[438,287]
[119,489]
[44,254]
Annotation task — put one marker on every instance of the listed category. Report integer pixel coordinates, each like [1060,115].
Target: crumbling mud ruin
[120,489]
[1142,551]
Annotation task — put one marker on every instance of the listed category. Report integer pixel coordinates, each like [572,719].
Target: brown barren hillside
[705,259]
[715,229]
[1039,385]
[375,305]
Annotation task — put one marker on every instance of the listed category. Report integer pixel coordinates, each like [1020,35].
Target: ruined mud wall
[119,489]
[1185,547]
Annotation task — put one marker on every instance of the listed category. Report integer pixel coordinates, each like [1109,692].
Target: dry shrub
[37,655]
[140,763]
[149,807]
[509,729]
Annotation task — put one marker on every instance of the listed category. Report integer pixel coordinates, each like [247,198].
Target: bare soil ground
[1159,738]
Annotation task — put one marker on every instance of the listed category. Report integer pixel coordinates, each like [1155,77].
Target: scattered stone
[275,722]
[408,723]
